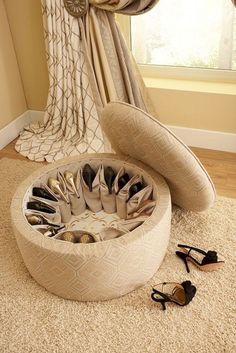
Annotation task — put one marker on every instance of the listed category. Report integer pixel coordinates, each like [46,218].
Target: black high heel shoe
[40,206]
[109,176]
[43,193]
[89,176]
[122,181]
[134,189]
[180,294]
[209,262]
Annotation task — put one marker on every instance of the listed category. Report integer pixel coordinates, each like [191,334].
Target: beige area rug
[33,320]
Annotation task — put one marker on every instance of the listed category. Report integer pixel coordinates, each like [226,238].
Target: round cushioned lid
[133,132]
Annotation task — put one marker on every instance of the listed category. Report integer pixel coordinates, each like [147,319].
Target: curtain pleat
[89,65]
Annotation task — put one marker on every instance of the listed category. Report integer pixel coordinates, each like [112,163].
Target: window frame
[175,72]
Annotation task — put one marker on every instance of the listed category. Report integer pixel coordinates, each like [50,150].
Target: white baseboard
[214,140]
[12,130]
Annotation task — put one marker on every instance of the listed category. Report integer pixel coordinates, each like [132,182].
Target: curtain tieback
[76,8]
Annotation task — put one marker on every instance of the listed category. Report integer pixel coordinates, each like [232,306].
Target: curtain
[89,65]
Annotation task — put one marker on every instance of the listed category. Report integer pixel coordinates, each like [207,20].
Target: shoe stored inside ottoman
[101,211]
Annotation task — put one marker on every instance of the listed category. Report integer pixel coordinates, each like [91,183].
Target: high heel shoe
[209,262]
[134,189]
[89,176]
[39,220]
[51,231]
[180,294]
[70,180]
[40,206]
[43,193]
[55,186]
[122,181]
[109,176]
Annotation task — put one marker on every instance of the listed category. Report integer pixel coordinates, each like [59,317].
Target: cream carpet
[33,320]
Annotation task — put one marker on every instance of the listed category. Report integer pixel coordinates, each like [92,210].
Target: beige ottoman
[112,268]
[101,270]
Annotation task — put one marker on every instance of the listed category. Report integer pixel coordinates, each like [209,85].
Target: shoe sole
[208,267]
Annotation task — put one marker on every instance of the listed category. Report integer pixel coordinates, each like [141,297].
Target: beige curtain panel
[89,65]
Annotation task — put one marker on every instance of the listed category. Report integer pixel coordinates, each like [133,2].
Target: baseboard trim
[13,129]
[214,140]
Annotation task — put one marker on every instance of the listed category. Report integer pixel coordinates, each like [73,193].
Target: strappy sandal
[209,262]
[180,294]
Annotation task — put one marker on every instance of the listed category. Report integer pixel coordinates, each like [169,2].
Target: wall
[25,19]
[12,99]
[208,111]
[201,109]
[195,104]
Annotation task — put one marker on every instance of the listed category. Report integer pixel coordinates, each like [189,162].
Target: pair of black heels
[89,175]
[110,175]
[182,294]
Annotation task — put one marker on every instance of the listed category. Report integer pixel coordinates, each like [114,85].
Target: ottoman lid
[134,132]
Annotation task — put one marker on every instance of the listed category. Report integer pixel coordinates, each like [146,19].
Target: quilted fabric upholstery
[97,271]
[135,133]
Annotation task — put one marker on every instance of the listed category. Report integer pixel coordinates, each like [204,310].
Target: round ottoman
[111,268]
[101,270]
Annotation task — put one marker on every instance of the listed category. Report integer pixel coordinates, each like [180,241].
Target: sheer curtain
[89,65]
[187,33]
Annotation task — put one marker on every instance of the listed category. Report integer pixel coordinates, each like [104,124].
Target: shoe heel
[183,257]
[163,303]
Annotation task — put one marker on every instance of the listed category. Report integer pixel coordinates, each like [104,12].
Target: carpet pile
[35,321]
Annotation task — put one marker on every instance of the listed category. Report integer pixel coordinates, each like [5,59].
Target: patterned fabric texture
[135,133]
[102,270]
[89,65]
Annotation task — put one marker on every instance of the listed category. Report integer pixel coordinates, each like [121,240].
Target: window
[186,33]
